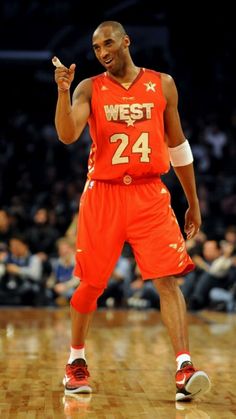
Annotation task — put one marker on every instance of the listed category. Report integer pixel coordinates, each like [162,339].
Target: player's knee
[84,299]
[166,285]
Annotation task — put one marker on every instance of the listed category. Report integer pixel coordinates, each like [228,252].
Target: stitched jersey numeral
[140,146]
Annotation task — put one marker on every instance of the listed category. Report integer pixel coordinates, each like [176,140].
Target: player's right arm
[71,115]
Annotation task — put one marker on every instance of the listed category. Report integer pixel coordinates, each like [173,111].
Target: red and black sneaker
[190,383]
[76,377]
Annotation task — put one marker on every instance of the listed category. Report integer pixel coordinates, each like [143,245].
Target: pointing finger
[57,62]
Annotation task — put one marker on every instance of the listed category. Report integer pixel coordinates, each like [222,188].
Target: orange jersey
[127,128]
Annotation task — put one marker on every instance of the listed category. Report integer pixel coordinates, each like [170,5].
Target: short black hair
[114,24]
[18,235]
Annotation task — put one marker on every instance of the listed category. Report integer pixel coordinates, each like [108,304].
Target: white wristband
[181,155]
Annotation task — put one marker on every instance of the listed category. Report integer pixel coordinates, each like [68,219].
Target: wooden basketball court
[130,361]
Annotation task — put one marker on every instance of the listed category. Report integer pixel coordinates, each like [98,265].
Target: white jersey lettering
[124,112]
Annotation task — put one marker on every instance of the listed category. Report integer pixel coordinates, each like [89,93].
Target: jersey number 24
[140,146]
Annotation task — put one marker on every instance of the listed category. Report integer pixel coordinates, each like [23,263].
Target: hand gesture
[192,221]
[63,75]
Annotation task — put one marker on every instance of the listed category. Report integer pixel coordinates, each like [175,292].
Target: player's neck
[127,77]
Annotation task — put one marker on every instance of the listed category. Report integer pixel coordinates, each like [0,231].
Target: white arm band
[181,155]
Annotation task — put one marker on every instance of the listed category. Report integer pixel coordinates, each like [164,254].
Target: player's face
[110,48]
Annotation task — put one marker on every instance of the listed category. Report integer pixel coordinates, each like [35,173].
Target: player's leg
[99,244]
[160,252]
[173,312]
[83,320]
[83,305]
[190,382]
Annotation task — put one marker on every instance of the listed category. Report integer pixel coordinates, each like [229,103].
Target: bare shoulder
[83,89]
[167,78]
[168,86]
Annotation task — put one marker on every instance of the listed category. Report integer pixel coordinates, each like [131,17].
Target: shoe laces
[188,369]
[79,371]
[187,366]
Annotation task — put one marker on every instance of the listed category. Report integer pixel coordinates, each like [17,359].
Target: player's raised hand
[63,75]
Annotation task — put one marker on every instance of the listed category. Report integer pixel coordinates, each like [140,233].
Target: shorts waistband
[130,180]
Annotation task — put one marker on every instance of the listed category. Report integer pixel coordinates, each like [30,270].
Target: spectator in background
[61,282]
[42,238]
[215,270]
[230,234]
[142,294]
[222,295]
[42,235]
[217,139]
[203,253]
[21,274]
[5,226]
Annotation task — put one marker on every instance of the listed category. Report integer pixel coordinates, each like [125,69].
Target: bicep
[81,107]
[172,124]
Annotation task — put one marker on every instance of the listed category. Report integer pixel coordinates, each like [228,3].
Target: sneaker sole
[197,385]
[78,390]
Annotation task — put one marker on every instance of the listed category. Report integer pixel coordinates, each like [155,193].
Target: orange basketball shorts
[140,214]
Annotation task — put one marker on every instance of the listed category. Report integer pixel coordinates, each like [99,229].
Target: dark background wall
[196,46]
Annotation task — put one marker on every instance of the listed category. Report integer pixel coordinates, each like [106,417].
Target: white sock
[76,353]
[182,358]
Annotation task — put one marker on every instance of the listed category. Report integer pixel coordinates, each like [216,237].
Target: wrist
[193,203]
[61,91]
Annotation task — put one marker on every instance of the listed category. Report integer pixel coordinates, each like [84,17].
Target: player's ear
[127,40]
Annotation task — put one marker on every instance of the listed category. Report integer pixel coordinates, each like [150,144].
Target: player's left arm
[180,150]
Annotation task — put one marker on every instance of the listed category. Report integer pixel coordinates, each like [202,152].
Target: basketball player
[136,132]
